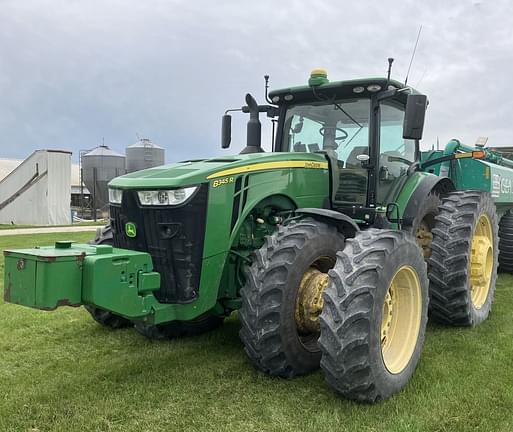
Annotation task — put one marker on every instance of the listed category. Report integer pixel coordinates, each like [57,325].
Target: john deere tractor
[334,247]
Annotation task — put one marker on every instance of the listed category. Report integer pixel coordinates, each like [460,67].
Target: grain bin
[144,154]
[99,166]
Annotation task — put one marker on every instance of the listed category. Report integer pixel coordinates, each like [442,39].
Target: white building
[38,190]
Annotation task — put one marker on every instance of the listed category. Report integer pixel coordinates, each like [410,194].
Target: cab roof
[336,88]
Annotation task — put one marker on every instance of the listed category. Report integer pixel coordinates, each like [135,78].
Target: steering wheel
[337,129]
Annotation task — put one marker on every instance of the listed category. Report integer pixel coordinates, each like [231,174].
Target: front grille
[173,236]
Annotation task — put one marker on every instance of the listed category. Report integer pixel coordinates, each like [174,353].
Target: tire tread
[260,313]
[450,300]
[347,318]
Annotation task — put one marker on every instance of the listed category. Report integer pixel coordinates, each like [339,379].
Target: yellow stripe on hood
[269,166]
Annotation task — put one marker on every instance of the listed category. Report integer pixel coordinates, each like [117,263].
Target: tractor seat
[352,160]
[299,147]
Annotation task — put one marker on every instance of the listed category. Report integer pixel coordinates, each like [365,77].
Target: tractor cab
[360,126]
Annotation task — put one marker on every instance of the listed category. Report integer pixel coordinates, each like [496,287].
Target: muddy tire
[424,222]
[177,329]
[506,243]
[375,314]
[101,316]
[107,319]
[274,340]
[463,264]
[103,235]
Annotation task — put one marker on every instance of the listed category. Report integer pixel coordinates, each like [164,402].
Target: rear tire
[506,243]
[101,316]
[375,314]
[271,313]
[463,264]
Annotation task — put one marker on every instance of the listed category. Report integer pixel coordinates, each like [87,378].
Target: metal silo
[144,154]
[99,166]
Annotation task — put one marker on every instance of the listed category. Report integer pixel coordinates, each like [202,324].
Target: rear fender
[426,184]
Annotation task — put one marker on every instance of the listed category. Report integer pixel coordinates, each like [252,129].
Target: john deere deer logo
[130,229]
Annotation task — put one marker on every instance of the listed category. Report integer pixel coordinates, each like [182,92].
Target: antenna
[412,56]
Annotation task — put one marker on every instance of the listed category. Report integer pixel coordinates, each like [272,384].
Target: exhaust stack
[254,130]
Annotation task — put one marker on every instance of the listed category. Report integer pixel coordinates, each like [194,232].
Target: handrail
[32,181]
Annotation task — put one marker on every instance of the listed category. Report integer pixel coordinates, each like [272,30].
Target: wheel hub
[386,320]
[424,238]
[481,262]
[310,301]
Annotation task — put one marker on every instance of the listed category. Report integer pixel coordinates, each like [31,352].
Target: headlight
[115,196]
[166,197]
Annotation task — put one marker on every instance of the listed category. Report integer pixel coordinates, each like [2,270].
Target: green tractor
[334,248]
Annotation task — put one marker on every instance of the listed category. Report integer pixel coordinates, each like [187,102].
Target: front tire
[463,264]
[177,329]
[282,297]
[375,314]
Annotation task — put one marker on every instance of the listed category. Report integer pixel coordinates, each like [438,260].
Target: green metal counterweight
[75,274]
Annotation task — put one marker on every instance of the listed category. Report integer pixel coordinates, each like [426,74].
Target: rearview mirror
[226,131]
[413,125]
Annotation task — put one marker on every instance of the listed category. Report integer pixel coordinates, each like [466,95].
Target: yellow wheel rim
[401,317]
[309,301]
[481,261]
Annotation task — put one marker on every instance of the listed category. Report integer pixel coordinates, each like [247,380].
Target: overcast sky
[73,72]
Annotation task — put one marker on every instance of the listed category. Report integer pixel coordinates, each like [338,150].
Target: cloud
[72,72]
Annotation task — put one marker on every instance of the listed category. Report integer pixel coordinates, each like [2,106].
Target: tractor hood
[200,171]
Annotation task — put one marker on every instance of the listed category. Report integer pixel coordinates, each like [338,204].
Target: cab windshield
[340,129]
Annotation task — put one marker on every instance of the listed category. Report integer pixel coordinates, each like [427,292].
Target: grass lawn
[60,371]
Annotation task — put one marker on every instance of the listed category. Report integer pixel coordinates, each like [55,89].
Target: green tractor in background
[334,247]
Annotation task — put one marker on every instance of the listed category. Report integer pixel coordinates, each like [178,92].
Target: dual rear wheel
[367,316]
[464,259]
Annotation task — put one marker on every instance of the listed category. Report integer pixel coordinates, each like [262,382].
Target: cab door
[339,129]
[395,153]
